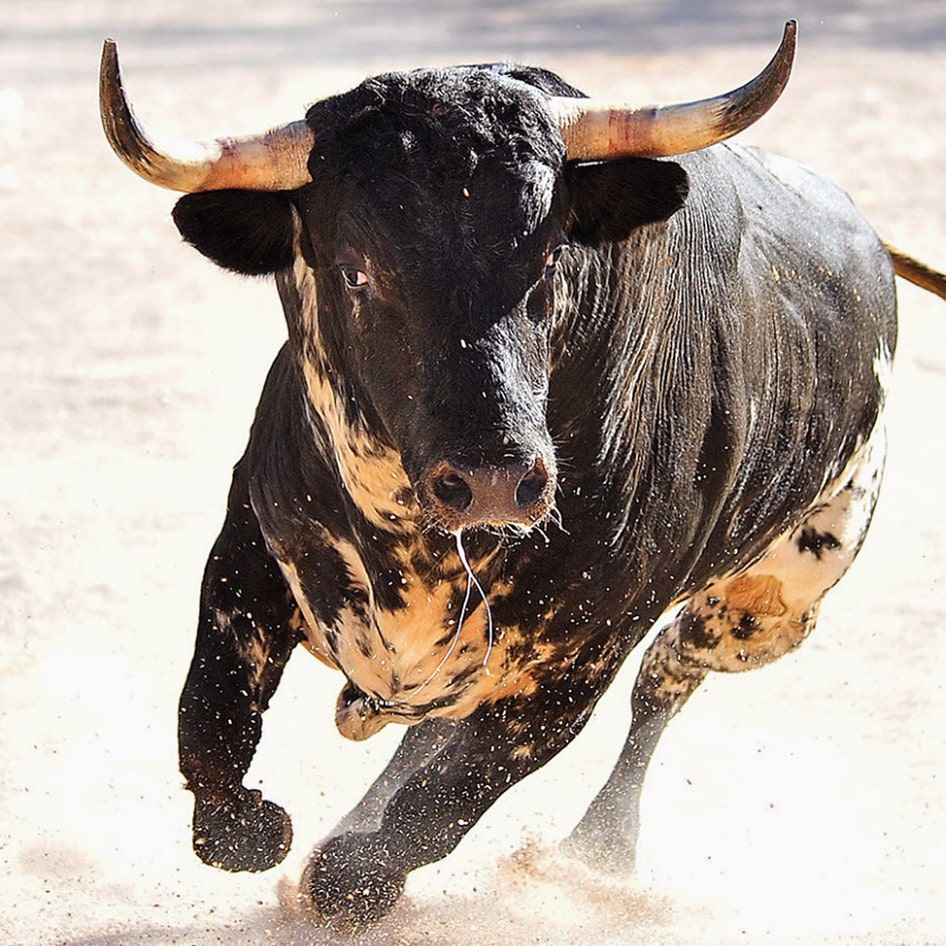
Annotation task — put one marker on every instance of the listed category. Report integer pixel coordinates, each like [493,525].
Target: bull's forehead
[475,109]
[432,136]
[496,217]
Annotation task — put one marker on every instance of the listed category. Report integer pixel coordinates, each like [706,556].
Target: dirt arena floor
[804,803]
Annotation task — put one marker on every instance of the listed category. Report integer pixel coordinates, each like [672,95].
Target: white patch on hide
[372,474]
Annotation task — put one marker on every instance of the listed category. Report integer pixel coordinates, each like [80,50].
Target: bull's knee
[741,624]
[733,626]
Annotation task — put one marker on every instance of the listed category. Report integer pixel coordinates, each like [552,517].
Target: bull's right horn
[595,130]
[276,160]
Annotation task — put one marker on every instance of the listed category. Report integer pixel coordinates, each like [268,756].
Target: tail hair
[918,273]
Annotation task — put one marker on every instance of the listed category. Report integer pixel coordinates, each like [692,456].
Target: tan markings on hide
[252,650]
[372,473]
[523,675]
[725,632]
[756,594]
[297,621]
[754,617]
[403,658]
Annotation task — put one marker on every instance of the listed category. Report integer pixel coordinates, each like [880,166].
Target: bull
[555,367]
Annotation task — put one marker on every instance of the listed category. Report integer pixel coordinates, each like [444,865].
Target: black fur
[620,321]
[249,232]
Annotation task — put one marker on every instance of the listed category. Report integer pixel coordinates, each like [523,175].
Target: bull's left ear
[611,199]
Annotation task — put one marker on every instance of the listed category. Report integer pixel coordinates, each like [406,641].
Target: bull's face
[422,303]
[415,225]
[432,226]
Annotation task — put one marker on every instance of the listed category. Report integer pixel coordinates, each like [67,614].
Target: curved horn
[276,160]
[595,130]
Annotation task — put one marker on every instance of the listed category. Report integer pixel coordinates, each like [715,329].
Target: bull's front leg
[420,744]
[357,876]
[247,628]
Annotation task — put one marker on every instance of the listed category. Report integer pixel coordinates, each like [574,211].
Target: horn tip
[109,55]
[785,55]
[788,45]
[110,74]
[789,37]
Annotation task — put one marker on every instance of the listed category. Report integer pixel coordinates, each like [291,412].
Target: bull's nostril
[453,491]
[531,487]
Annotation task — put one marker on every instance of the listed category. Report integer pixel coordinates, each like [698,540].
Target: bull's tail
[918,273]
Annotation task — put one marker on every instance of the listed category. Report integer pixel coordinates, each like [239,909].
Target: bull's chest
[438,652]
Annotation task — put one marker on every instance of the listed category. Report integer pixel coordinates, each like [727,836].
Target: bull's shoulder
[292,480]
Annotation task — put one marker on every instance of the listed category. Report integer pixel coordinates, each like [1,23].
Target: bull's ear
[249,232]
[611,199]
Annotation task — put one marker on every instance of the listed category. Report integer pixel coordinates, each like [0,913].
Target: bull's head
[414,226]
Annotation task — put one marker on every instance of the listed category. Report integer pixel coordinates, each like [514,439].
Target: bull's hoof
[606,854]
[247,833]
[348,882]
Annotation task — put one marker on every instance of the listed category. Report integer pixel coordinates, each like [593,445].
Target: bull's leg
[741,622]
[357,876]
[247,628]
[421,743]
[606,837]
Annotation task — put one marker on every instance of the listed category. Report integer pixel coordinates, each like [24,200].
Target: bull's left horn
[276,160]
[596,130]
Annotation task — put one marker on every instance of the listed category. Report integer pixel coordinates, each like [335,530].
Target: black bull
[527,405]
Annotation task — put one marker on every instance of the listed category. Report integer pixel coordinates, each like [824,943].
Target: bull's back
[789,243]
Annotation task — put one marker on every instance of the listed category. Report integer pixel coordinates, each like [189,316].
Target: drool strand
[471,581]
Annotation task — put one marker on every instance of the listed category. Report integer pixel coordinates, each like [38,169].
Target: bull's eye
[552,260]
[354,278]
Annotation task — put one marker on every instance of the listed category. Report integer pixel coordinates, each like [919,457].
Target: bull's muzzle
[514,492]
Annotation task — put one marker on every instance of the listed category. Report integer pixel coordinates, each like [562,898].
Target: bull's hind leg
[743,621]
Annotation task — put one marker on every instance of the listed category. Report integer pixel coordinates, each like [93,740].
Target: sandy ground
[800,804]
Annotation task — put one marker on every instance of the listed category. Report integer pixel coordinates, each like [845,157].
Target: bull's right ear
[249,232]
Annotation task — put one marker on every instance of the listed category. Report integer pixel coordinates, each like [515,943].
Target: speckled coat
[695,351]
